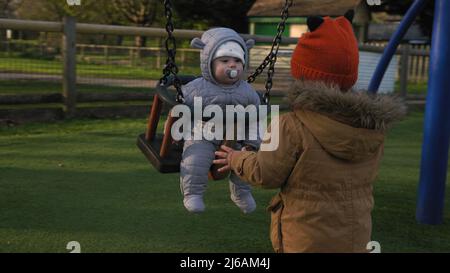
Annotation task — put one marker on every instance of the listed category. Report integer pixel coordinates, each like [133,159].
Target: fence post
[158,53]
[158,58]
[183,58]
[131,57]
[8,49]
[138,55]
[404,62]
[69,66]
[81,52]
[106,54]
[41,45]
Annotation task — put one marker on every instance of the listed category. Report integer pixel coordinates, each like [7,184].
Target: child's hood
[349,125]
[210,42]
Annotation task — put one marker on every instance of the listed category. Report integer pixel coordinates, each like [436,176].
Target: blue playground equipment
[434,162]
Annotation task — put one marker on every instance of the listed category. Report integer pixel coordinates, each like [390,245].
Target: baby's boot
[241,195]
[245,202]
[194,203]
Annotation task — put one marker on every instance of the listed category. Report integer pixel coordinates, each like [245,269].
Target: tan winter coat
[328,156]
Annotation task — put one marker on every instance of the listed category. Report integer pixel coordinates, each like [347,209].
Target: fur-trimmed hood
[355,108]
[349,125]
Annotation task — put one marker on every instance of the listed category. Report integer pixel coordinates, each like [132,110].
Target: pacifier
[232,73]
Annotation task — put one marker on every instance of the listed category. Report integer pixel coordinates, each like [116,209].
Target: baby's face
[227,70]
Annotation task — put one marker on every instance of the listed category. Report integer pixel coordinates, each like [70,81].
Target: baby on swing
[223,60]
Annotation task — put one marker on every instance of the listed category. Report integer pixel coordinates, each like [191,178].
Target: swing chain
[171,47]
[271,58]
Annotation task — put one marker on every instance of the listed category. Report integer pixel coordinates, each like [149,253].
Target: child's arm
[270,169]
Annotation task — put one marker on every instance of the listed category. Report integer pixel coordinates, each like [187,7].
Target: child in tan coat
[330,147]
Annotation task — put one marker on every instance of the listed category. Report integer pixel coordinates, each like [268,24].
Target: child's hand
[225,157]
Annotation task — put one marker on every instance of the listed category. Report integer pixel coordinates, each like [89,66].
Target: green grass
[17,87]
[85,181]
[33,65]
[413,88]
[79,105]
[30,65]
[396,191]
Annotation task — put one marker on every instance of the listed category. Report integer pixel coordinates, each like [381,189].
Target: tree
[53,10]
[7,10]
[90,11]
[424,19]
[8,7]
[226,13]
[141,13]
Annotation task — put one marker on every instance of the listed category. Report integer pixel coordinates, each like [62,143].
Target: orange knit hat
[328,53]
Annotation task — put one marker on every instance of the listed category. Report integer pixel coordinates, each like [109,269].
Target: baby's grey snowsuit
[198,154]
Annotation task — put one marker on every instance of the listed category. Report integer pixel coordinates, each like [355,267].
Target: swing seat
[159,149]
[151,149]
[162,152]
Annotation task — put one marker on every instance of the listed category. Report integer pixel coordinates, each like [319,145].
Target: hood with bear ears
[210,42]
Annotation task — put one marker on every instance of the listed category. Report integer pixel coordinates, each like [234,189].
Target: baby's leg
[241,194]
[196,161]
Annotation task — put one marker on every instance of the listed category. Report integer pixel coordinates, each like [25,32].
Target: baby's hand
[247,148]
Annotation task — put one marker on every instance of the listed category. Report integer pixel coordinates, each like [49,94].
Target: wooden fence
[413,59]
[69,30]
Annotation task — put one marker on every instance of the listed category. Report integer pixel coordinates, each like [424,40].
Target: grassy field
[85,181]
[413,88]
[86,69]
[17,87]
[95,70]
